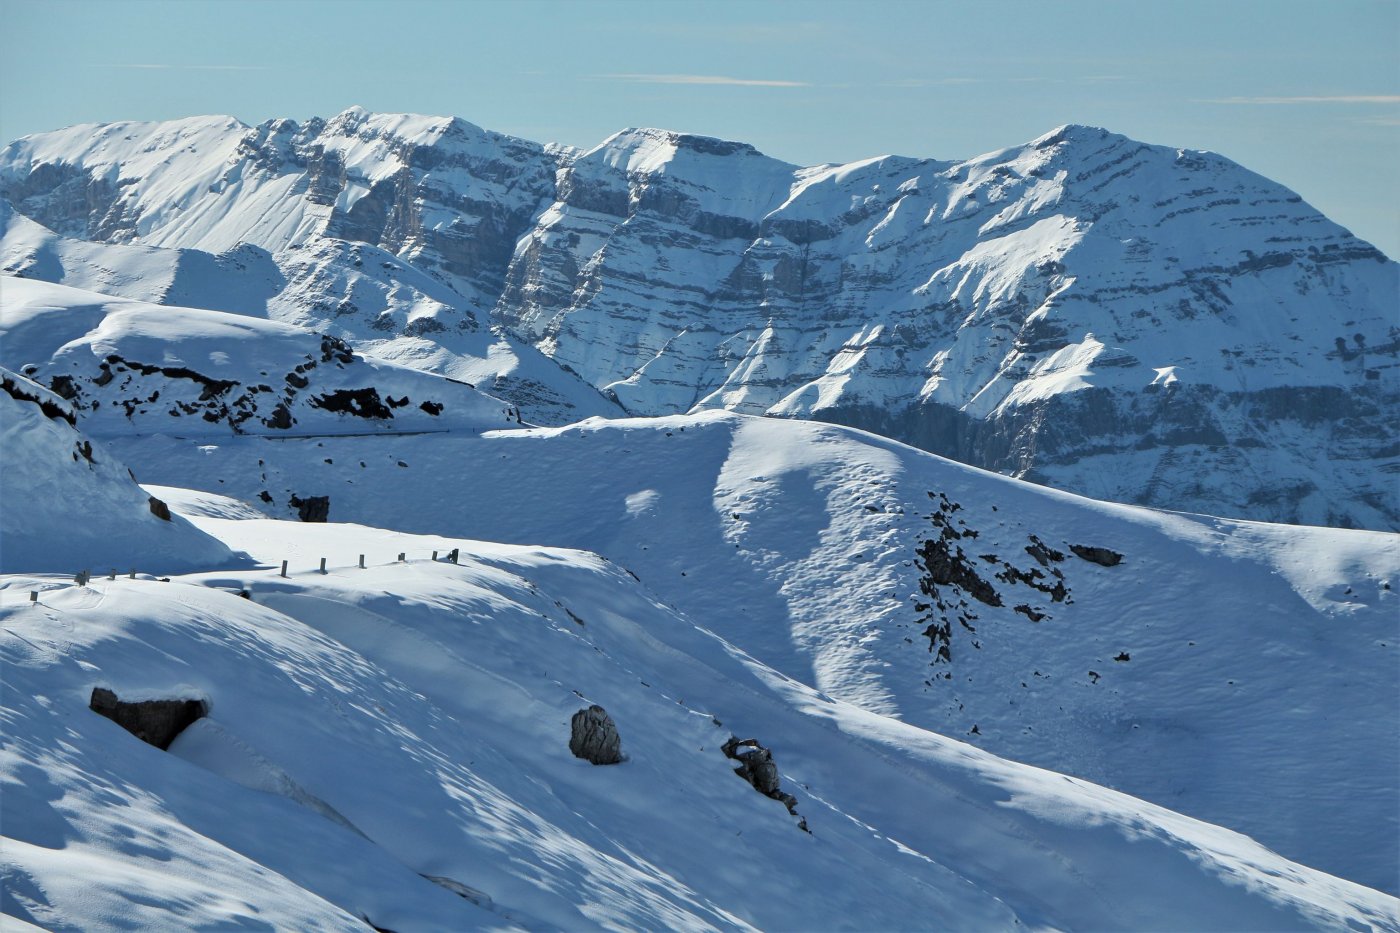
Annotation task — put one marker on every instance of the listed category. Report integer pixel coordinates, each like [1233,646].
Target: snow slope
[1133,322]
[68,504]
[132,367]
[369,730]
[1244,674]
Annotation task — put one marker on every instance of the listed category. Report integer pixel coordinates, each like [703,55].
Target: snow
[798,543]
[69,504]
[371,727]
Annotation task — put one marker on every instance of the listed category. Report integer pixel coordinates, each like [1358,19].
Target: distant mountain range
[1133,322]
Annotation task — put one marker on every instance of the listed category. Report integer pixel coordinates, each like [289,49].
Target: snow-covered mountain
[321,347]
[1132,322]
[129,367]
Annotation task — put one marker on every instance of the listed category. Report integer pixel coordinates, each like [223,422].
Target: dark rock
[159,509]
[363,403]
[432,408]
[1042,552]
[944,566]
[757,767]
[312,508]
[64,387]
[156,722]
[281,417]
[593,737]
[1096,555]
[1123,656]
[1030,613]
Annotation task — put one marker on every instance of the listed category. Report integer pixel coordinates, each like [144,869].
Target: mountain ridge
[1082,310]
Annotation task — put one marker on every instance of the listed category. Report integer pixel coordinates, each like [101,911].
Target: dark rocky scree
[593,737]
[949,575]
[312,508]
[756,766]
[155,722]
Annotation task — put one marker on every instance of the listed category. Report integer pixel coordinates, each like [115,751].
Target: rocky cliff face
[1129,321]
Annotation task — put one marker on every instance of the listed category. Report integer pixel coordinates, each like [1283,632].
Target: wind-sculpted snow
[1241,673]
[133,368]
[1132,322]
[389,747]
[68,504]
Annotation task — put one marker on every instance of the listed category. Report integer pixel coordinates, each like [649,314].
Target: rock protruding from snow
[1097,555]
[311,508]
[155,722]
[593,737]
[757,767]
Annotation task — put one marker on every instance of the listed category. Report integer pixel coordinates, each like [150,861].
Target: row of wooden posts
[83,577]
[451,557]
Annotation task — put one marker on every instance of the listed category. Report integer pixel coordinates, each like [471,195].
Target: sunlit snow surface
[370,727]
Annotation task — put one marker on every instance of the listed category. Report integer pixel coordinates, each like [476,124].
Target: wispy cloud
[151,66]
[721,80]
[1318,99]
[928,82]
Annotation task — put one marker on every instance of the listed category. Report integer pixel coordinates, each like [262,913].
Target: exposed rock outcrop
[756,766]
[155,722]
[311,508]
[1096,555]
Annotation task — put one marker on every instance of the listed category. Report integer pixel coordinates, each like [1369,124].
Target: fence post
[284,568]
[33,596]
[113,574]
[362,562]
[132,575]
[323,565]
[435,555]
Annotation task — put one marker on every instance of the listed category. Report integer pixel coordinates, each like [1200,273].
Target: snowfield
[370,730]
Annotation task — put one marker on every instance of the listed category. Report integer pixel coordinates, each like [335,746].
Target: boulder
[155,722]
[594,737]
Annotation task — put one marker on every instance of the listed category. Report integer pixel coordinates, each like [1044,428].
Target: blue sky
[1307,93]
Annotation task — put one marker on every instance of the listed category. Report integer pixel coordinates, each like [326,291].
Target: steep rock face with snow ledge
[1129,321]
[1135,322]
